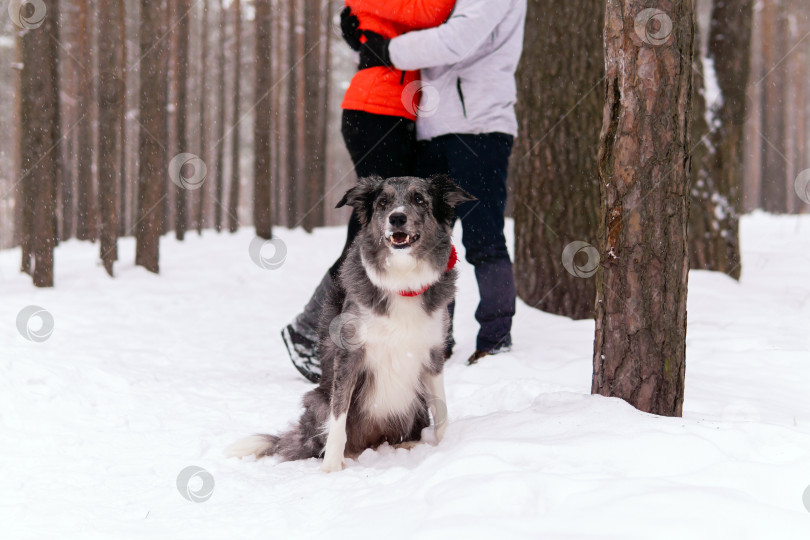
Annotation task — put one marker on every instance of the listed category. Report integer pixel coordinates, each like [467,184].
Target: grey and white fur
[382,353]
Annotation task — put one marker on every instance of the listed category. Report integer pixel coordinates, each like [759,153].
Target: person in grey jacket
[466,127]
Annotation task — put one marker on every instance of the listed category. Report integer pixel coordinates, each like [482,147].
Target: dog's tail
[255,445]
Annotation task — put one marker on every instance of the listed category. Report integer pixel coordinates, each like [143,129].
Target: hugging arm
[468,27]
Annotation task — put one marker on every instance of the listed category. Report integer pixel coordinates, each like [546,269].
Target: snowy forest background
[776,121]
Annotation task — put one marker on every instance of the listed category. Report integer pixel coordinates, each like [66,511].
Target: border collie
[383,334]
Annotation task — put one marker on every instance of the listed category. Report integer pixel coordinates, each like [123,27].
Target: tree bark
[645,168]
[233,199]
[110,98]
[151,137]
[293,171]
[262,218]
[313,180]
[182,8]
[124,181]
[204,88]
[775,27]
[560,100]
[219,179]
[85,196]
[714,239]
[39,139]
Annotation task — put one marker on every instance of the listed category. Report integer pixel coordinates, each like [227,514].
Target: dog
[383,334]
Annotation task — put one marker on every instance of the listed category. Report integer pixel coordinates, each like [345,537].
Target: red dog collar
[451,262]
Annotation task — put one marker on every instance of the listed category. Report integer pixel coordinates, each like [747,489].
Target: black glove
[374,52]
[350,27]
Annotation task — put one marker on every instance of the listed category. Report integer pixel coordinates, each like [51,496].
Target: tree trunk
[204,87]
[39,138]
[151,148]
[220,172]
[775,28]
[560,99]
[644,167]
[233,199]
[714,240]
[262,218]
[110,102]
[312,181]
[124,181]
[293,56]
[182,8]
[85,196]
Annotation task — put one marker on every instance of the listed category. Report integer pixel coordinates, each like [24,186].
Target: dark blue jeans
[479,164]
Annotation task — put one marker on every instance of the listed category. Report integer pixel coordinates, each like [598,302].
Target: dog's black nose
[398,219]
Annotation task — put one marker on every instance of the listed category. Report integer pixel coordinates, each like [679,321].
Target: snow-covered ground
[144,376]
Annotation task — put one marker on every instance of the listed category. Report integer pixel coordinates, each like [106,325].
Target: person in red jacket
[378,127]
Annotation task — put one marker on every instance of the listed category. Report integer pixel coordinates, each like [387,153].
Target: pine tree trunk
[151,137]
[219,180]
[775,27]
[182,8]
[292,176]
[39,137]
[204,88]
[85,196]
[644,167]
[278,117]
[233,199]
[262,218]
[557,187]
[312,180]
[124,181]
[110,102]
[714,240]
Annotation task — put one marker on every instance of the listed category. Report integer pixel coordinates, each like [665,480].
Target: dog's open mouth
[401,240]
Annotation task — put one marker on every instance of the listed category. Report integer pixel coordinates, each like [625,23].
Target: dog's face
[405,210]
[407,225]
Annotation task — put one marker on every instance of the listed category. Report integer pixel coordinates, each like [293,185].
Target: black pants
[378,145]
[479,163]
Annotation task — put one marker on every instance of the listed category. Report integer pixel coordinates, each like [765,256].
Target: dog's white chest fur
[397,349]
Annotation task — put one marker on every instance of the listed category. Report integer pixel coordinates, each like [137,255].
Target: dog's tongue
[399,238]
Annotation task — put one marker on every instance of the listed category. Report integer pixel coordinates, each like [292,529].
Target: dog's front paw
[332,465]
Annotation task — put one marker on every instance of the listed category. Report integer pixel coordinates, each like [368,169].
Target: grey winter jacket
[468,68]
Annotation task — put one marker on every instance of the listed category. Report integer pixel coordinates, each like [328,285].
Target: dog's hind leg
[345,378]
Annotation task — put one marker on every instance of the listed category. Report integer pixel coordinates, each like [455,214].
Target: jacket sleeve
[468,27]
[411,13]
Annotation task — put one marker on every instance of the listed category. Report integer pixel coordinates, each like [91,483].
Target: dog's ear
[361,197]
[446,196]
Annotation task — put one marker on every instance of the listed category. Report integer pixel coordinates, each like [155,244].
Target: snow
[145,376]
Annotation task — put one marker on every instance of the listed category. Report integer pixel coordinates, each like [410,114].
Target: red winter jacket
[378,90]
